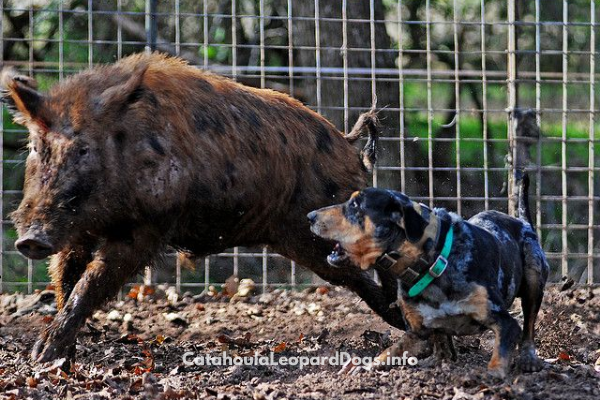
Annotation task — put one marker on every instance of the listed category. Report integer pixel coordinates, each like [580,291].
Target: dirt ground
[133,349]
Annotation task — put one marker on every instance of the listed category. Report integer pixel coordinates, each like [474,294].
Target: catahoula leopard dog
[456,277]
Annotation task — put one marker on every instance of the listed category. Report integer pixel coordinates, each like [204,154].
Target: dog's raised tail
[527,133]
[523,198]
[367,124]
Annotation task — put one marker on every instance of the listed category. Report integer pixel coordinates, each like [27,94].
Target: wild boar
[129,158]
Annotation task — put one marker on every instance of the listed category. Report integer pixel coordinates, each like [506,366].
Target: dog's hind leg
[532,292]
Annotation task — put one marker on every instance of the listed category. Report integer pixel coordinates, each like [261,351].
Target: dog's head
[373,222]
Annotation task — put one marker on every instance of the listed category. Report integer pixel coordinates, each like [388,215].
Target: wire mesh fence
[449,77]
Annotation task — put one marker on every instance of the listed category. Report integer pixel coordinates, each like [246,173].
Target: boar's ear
[119,96]
[20,94]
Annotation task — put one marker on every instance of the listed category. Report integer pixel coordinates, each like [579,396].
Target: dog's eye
[353,204]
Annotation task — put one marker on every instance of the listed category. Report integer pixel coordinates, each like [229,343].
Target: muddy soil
[134,348]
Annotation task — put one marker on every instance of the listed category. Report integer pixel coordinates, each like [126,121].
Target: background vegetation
[51,39]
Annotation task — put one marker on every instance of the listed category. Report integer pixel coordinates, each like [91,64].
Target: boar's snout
[34,245]
[312,217]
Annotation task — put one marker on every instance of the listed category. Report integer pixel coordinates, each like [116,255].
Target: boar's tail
[370,123]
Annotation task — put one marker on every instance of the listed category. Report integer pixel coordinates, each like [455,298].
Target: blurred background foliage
[51,39]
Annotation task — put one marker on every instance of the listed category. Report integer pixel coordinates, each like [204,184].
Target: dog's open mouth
[338,256]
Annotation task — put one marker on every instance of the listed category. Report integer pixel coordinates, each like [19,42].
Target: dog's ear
[409,219]
[414,224]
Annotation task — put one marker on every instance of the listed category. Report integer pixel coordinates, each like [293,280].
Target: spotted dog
[455,277]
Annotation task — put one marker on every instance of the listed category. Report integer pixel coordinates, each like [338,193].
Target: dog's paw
[529,362]
[499,373]
[498,367]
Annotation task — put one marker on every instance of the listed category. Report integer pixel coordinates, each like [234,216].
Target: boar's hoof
[45,351]
[37,348]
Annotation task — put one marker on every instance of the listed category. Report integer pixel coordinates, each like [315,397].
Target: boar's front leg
[113,264]
[66,269]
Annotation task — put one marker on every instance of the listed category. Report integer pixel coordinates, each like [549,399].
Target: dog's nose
[312,217]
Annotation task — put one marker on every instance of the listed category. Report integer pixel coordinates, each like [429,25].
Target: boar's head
[79,135]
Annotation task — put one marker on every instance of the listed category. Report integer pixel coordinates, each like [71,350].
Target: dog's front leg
[443,347]
[507,332]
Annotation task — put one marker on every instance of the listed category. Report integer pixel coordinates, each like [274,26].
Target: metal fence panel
[447,75]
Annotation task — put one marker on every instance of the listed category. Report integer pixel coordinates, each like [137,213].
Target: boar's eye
[83,151]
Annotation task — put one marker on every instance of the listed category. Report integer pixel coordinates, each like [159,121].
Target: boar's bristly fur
[127,159]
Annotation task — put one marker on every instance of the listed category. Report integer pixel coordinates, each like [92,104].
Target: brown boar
[127,159]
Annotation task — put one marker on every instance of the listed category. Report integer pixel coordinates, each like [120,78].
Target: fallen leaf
[230,287]
[239,341]
[136,386]
[133,293]
[130,339]
[322,290]
[147,290]
[280,347]
[19,381]
[137,370]
[147,353]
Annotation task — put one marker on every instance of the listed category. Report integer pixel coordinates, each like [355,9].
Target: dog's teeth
[337,256]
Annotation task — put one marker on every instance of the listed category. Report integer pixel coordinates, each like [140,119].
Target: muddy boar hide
[69,180]
[127,159]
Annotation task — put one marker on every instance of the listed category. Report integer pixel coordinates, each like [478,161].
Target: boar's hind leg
[66,268]
[114,263]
